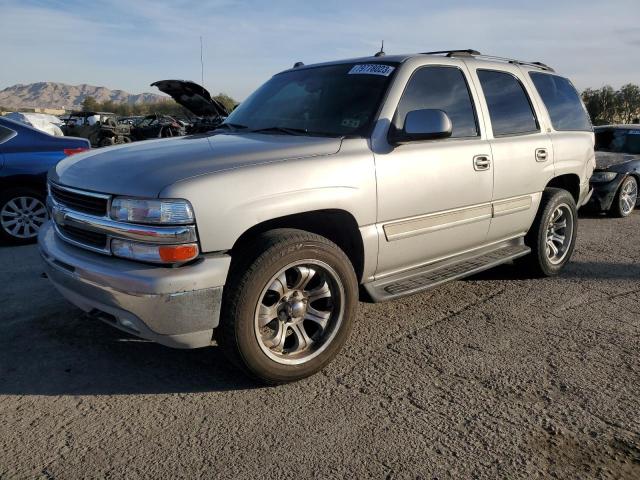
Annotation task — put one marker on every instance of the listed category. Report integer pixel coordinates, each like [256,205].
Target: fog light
[128,324]
[145,252]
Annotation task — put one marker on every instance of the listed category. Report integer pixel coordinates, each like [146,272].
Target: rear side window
[440,88]
[509,105]
[562,101]
[6,134]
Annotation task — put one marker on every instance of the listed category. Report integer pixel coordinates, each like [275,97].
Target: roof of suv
[454,54]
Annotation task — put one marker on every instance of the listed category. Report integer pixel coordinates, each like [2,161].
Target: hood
[193,97]
[606,160]
[143,169]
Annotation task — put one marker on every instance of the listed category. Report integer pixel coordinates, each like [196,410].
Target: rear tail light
[73,151]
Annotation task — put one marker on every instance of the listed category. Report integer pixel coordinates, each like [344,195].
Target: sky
[128,44]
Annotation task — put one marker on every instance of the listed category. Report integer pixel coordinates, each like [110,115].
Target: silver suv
[397,173]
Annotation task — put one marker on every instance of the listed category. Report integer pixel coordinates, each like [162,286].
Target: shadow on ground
[584,270]
[72,354]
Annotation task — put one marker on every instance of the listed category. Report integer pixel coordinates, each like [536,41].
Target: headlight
[602,177]
[145,252]
[135,210]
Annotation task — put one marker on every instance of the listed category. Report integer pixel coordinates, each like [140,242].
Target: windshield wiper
[293,131]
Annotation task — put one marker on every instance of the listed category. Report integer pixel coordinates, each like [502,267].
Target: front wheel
[288,306]
[552,236]
[626,198]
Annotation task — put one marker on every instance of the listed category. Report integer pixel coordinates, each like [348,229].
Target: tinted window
[509,106]
[562,101]
[618,140]
[6,134]
[441,88]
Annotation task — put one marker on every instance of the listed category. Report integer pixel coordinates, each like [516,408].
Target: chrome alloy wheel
[628,196]
[22,217]
[559,233]
[299,312]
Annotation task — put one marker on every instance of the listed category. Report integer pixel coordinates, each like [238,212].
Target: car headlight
[145,252]
[154,211]
[602,177]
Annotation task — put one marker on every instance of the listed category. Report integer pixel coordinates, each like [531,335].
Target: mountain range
[61,95]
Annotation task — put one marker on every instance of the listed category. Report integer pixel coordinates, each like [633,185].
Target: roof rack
[455,53]
[475,53]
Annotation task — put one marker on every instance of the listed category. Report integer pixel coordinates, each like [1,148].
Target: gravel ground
[495,376]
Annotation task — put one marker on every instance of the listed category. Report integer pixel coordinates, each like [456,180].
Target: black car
[617,175]
[26,154]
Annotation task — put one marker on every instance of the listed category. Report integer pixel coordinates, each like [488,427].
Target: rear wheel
[552,236]
[288,306]
[626,198]
[22,213]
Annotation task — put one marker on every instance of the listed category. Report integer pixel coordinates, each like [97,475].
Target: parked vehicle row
[391,173]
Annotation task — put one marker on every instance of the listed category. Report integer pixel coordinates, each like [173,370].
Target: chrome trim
[436,221]
[512,205]
[81,192]
[432,222]
[127,231]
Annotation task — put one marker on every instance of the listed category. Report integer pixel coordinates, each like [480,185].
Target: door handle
[481,162]
[541,155]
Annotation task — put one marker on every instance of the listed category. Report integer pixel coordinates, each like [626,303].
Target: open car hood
[193,97]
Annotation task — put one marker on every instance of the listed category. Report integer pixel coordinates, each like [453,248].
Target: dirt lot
[496,376]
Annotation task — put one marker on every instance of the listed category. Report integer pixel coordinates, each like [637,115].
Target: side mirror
[426,124]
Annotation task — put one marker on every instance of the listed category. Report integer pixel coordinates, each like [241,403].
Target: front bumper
[605,193]
[177,307]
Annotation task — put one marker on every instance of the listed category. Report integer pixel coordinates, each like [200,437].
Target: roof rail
[455,53]
[475,53]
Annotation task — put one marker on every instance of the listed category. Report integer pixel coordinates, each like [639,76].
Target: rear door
[571,130]
[520,146]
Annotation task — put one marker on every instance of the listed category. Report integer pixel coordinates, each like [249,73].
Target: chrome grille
[94,204]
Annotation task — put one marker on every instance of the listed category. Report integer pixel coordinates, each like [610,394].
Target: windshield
[334,100]
[618,140]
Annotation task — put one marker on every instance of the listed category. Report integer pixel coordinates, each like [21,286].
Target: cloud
[128,45]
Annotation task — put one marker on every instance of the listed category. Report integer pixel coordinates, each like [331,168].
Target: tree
[89,104]
[226,100]
[608,106]
[628,103]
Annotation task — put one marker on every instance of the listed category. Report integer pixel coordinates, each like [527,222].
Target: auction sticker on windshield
[372,69]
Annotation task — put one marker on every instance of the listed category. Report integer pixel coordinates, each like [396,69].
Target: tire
[107,142]
[281,288]
[22,213]
[543,261]
[626,198]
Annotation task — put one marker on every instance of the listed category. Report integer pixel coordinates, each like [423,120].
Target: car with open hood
[395,173]
[617,175]
[196,99]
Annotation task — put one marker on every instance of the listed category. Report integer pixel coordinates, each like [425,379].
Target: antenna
[201,64]
[381,52]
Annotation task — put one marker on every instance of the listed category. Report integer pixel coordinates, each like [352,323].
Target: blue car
[26,155]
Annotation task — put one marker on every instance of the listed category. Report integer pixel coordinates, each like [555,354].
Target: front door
[434,197]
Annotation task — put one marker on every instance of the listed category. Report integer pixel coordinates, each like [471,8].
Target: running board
[435,274]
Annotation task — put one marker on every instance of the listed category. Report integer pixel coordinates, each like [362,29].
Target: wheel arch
[337,225]
[569,182]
